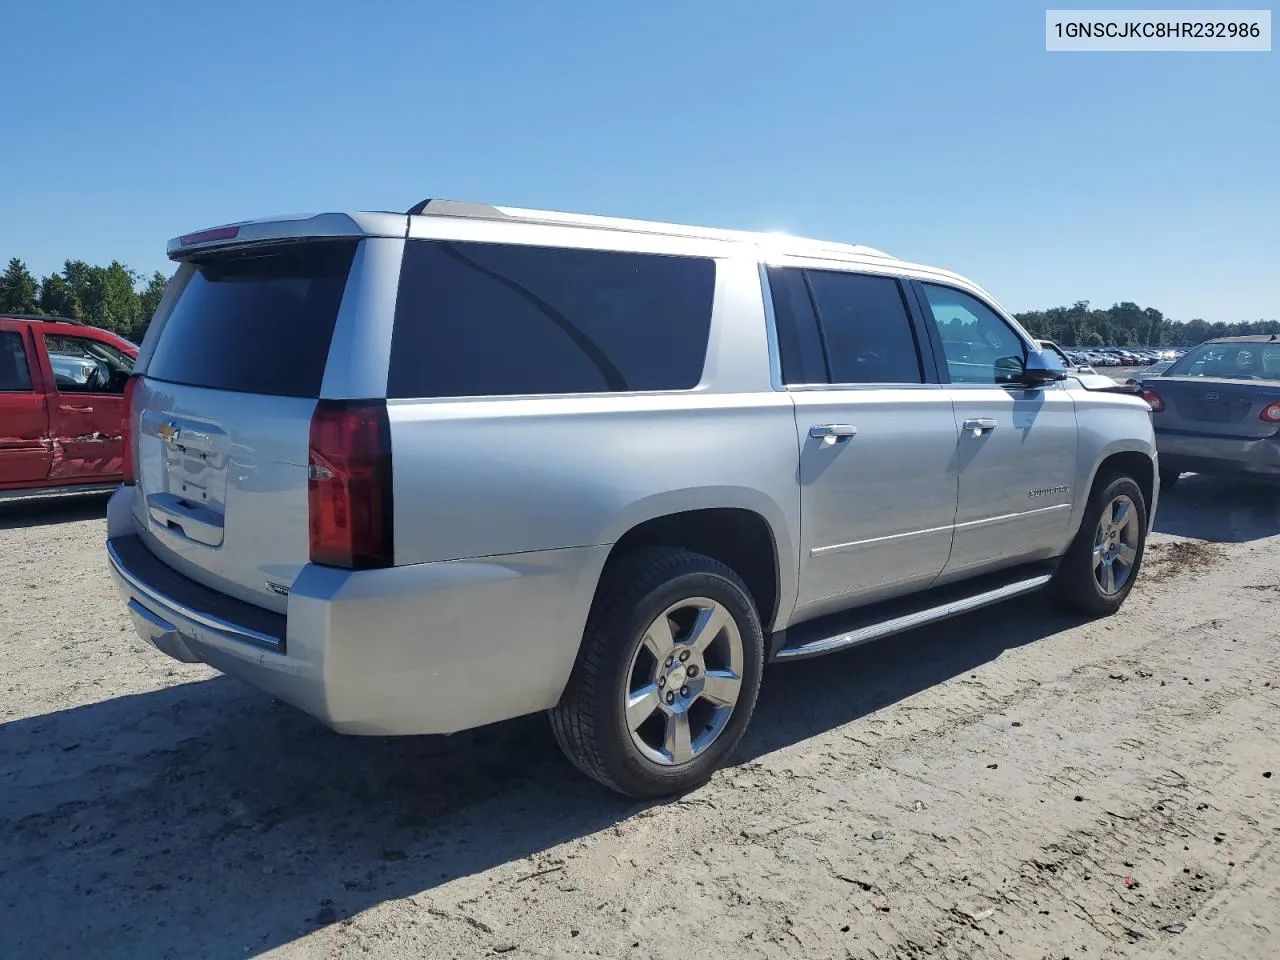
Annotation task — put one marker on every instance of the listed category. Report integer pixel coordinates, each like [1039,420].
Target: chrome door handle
[979,425]
[69,409]
[833,431]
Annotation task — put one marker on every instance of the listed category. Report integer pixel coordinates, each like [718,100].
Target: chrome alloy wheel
[1115,545]
[684,681]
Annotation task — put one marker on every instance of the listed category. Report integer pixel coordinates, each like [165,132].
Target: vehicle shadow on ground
[207,819]
[19,514]
[1220,509]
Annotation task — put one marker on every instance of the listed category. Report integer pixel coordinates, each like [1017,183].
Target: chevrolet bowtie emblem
[168,432]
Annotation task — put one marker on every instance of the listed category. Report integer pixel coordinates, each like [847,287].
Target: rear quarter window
[256,321]
[482,320]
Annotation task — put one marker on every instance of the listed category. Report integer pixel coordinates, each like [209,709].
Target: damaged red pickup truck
[61,406]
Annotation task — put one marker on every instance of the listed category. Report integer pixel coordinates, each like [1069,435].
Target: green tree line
[121,300]
[1129,325]
[112,297]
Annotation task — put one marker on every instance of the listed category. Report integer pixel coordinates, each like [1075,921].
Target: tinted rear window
[258,321]
[799,339]
[866,328]
[476,319]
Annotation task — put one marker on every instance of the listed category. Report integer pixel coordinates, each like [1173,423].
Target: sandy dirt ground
[1010,784]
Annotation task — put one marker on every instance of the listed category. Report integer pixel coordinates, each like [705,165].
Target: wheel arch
[741,527]
[1132,456]
[1138,464]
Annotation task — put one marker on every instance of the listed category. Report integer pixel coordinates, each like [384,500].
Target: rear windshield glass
[1242,360]
[476,320]
[256,321]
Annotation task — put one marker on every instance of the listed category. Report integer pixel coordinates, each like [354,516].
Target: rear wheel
[1099,569]
[667,677]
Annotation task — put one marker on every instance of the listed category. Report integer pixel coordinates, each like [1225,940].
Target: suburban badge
[1049,491]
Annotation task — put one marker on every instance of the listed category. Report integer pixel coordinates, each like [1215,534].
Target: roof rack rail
[457,208]
[41,318]
[487,211]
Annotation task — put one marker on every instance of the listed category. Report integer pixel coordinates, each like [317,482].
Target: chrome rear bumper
[172,612]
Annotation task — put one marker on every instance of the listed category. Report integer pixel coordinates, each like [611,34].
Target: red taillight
[128,445]
[1157,405]
[1271,412]
[349,484]
[205,236]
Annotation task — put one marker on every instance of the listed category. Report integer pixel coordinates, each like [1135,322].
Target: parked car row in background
[61,406]
[1123,357]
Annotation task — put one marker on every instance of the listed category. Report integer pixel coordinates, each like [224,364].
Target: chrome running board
[909,621]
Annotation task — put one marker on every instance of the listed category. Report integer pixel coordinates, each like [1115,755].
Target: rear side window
[799,340]
[486,320]
[15,375]
[866,328]
[256,321]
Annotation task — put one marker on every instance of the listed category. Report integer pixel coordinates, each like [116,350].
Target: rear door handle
[833,431]
[979,425]
[69,409]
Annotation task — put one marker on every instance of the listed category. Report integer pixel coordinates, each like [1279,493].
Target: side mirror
[1041,367]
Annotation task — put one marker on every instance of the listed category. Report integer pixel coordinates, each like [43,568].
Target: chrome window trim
[811,387]
[967,525]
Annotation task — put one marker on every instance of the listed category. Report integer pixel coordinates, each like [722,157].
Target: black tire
[1168,477]
[590,722]
[1075,584]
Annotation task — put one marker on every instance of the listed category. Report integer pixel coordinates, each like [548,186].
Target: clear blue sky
[941,132]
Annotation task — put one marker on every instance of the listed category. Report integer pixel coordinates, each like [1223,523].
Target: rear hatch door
[224,413]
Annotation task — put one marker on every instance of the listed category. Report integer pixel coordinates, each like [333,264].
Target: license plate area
[1214,412]
[190,499]
[1218,409]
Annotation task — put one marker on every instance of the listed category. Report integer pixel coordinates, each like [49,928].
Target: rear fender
[710,498]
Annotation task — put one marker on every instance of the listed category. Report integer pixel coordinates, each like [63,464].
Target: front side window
[489,320]
[866,328]
[82,365]
[980,347]
[1230,361]
[15,375]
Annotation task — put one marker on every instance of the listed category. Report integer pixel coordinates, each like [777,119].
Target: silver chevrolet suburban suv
[414,473]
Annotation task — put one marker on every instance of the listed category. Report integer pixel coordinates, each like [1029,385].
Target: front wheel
[1102,563]
[667,676]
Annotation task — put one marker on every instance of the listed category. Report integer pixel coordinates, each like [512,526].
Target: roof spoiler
[321,226]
